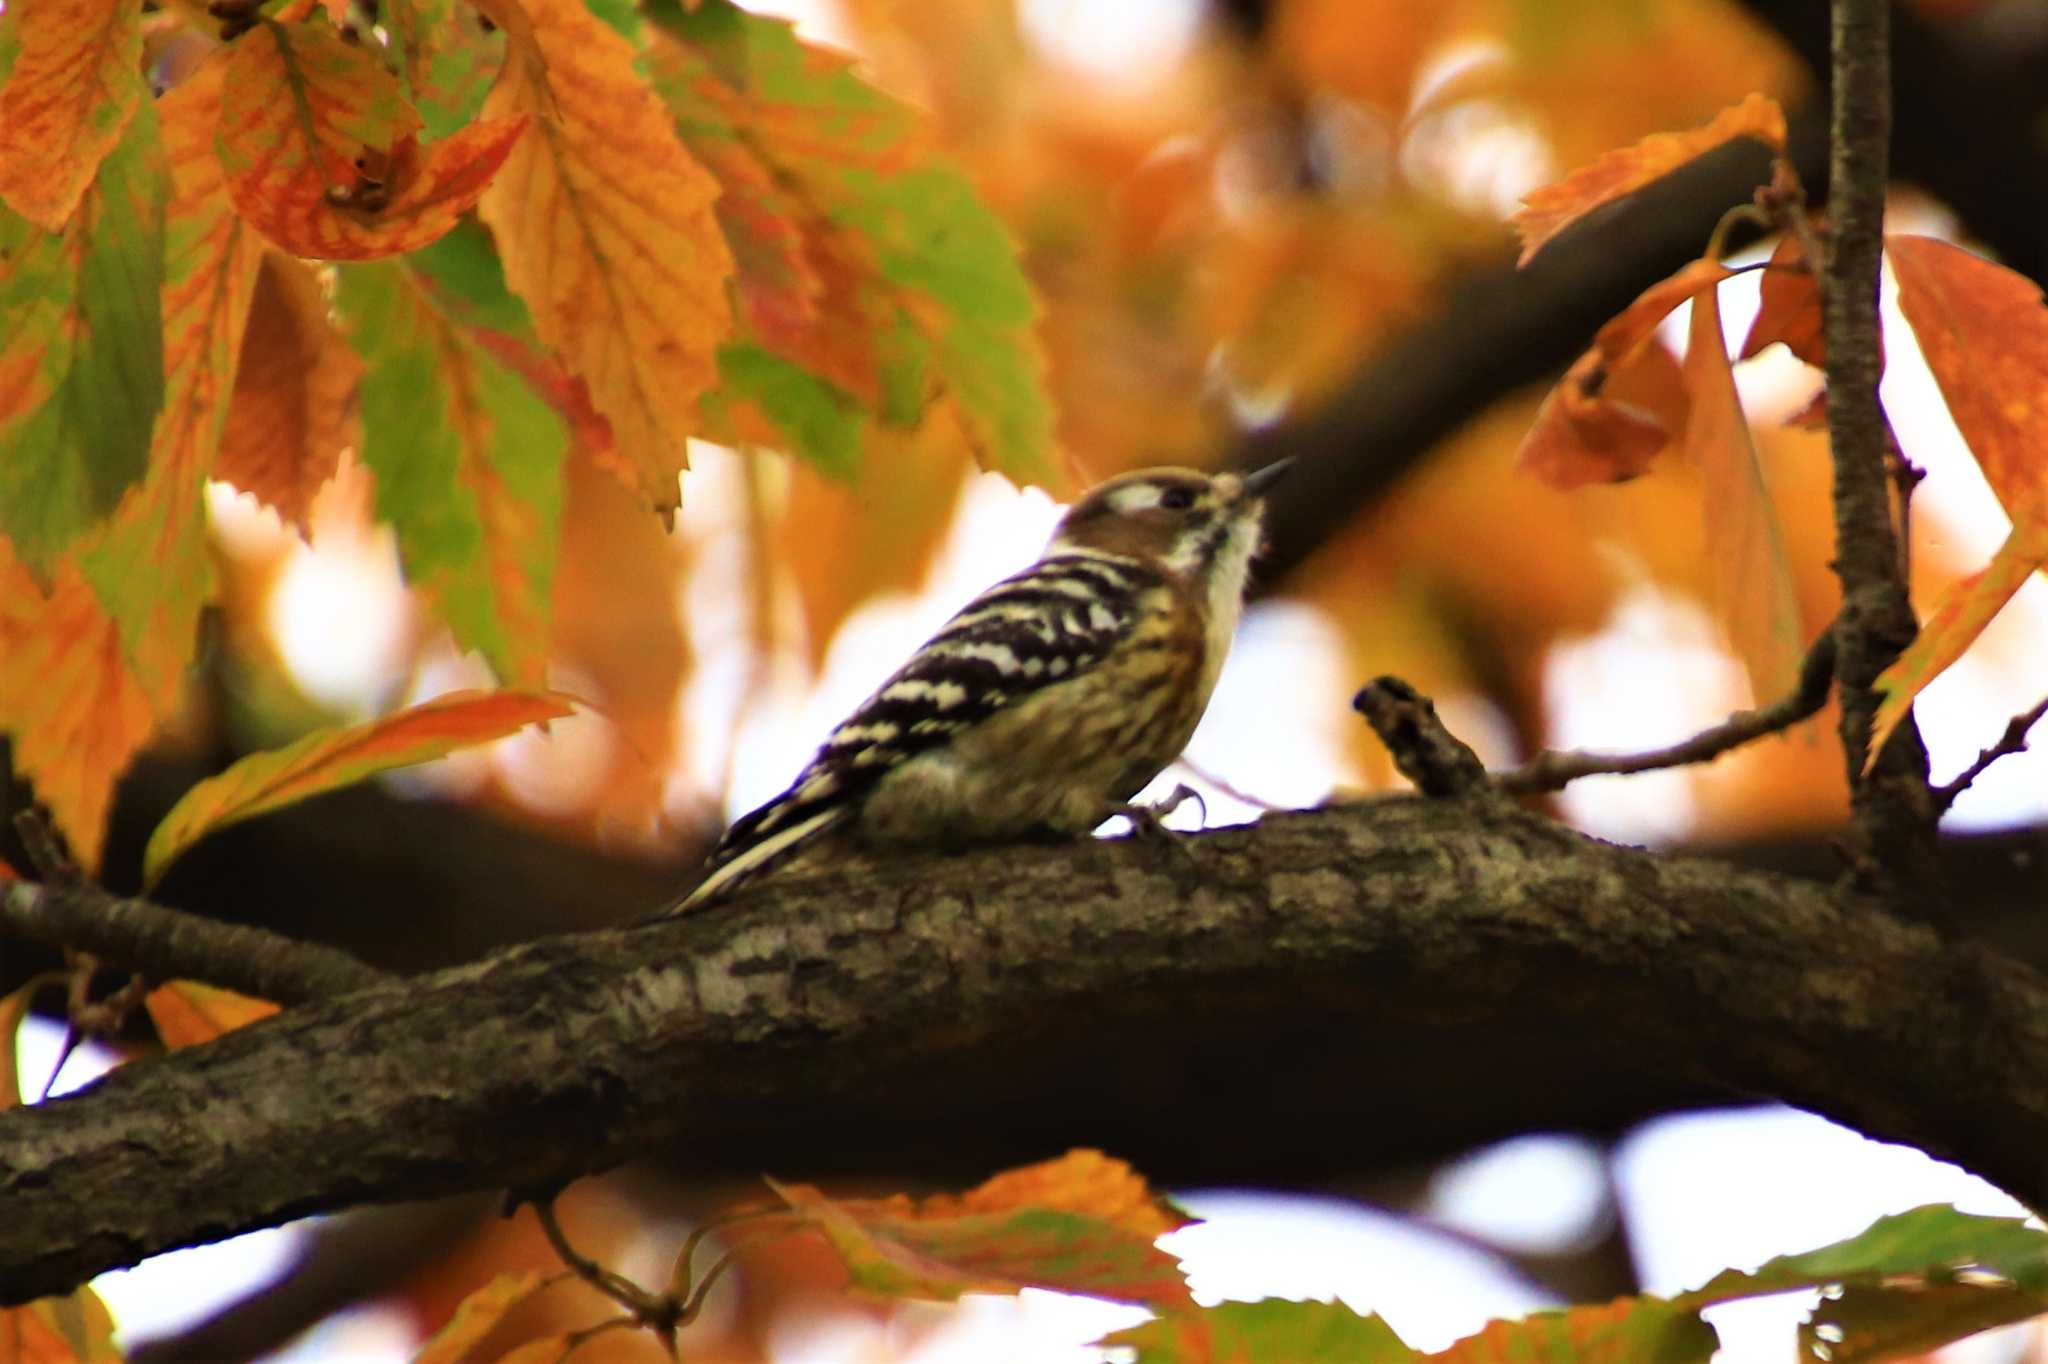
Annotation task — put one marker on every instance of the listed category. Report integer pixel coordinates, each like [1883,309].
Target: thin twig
[2014,740]
[1235,792]
[168,944]
[1553,770]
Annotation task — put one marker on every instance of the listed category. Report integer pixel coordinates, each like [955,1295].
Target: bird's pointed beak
[1256,484]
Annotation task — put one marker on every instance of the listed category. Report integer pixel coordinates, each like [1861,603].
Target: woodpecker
[1049,700]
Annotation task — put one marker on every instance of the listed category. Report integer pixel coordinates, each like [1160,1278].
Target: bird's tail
[757,857]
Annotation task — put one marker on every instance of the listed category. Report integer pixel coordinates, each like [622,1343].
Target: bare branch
[166,944]
[1554,770]
[2014,740]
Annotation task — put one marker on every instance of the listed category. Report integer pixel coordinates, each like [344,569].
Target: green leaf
[824,424]
[1862,1325]
[1934,1239]
[834,202]
[1643,1330]
[1274,1331]
[469,468]
[81,355]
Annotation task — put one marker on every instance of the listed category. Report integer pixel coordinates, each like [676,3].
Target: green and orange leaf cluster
[463,249]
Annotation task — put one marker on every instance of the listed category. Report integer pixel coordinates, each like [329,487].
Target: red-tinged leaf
[187,1013]
[1092,1234]
[606,229]
[293,410]
[331,758]
[1625,1331]
[150,566]
[67,696]
[1961,616]
[322,150]
[1274,1331]
[469,470]
[1814,415]
[1984,334]
[1617,406]
[75,82]
[561,390]
[1752,580]
[73,1329]
[1548,211]
[477,1316]
[1790,307]
[1863,1325]
[81,363]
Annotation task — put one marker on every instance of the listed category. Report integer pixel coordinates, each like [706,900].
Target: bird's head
[1190,523]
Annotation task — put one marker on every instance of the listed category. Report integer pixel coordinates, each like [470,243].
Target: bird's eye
[1177,499]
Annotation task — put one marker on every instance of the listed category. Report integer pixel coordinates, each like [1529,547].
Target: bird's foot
[1148,818]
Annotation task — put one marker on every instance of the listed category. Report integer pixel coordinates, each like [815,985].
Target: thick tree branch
[1321,971]
[1893,811]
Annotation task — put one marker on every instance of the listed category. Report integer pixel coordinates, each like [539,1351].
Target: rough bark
[1389,971]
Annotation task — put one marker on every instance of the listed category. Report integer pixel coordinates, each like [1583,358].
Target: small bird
[1049,700]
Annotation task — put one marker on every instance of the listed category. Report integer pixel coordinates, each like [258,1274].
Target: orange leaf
[1752,580]
[1618,405]
[75,711]
[322,150]
[331,758]
[606,229]
[13,1010]
[1790,310]
[74,1329]
[150,566]
[1984,334]
[1962,615]
[75,82]
[477,1316]
[187,1013]
[1548,211]
[1081,1224]
[293,410]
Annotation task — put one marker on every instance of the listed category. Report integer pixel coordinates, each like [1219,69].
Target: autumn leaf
[150,566]
[1751,578]
[871,263]
[293,409]
[187,1012]
[1984,334]
[1617,406]
[13,1010]
[1273,1331]
[1625,1331]
[330,758]
[76,714]
[1789,310]
[1549,210]
[605,227]
[75,82]
[1082,1224]
[73,1329]
[477,1316]
[81,362]
[322,149]
[469,469]
[1862,1325]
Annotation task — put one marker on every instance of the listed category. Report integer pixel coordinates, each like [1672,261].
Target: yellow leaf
[13,1010]
[331,758]
[67,696]
[1752,579]
[187,1013]
[477,1316]
[1964,612]
[1550,210]
[75,82]
[606,229]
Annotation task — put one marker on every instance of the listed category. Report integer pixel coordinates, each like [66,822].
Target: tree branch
[1893,813]
[165,944]
[1316,973]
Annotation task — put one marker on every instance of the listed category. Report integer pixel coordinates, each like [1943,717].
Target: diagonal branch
[1406,972]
